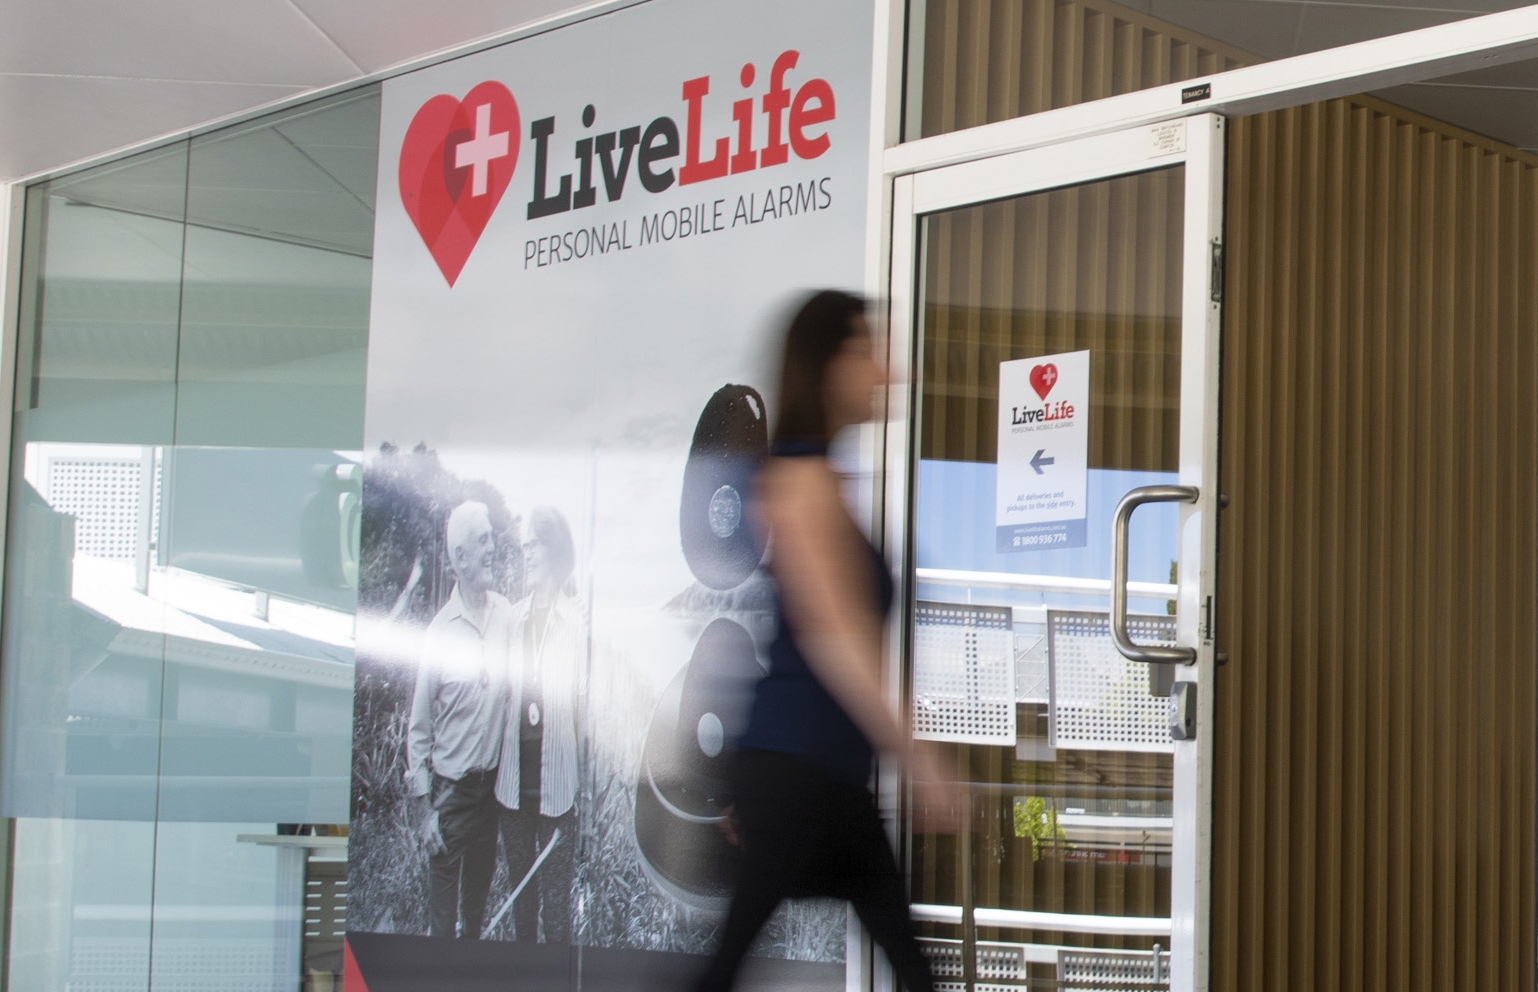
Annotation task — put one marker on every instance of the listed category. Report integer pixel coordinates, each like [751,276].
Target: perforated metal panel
[122,964]
[325,915]
[102,494]
[1000,961]
[964,673]
[108,964]
[944,957]
[1100,700]
[231,964]
[1112,971]
[996,961]
[1033,680]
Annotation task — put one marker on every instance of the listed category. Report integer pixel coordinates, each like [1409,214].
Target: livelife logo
[456,161]
[458,156]
[1043,378]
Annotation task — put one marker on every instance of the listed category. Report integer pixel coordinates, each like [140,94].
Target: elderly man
[455,735]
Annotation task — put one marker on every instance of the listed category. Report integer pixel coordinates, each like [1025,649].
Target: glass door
[1052,505]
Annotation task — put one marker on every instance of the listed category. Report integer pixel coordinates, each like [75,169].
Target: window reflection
[1063,744]
[182,559]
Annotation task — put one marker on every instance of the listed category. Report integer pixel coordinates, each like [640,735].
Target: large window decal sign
[459,156]
[585,245]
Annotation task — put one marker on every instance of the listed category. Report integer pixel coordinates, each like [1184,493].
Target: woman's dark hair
[548,526]
[816,333]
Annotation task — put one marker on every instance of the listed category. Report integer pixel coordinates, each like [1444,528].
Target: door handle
[1121,524]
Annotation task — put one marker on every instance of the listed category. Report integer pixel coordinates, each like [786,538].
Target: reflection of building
[193,703]
[1071,766]
[201,684]
[152,649]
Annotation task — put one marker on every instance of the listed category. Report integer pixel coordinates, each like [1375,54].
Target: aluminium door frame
[1198,144]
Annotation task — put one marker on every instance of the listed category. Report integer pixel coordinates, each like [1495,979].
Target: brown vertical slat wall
[1088,267]
[990,60]
[1375,779]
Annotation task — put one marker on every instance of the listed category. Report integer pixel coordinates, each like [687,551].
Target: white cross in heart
[479,152]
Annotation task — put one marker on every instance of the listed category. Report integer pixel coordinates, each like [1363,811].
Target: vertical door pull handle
[1121,525]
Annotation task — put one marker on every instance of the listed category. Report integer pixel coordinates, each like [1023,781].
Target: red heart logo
[456,160]
[1043,378]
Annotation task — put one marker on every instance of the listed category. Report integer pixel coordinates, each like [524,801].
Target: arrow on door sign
[1037,461]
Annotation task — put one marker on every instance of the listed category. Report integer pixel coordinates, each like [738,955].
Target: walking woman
[806,818]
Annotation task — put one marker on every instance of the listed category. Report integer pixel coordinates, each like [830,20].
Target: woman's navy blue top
[792,712]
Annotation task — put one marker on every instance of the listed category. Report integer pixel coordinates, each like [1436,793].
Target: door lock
[1183,711]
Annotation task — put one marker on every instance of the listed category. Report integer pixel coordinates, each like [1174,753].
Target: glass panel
[182,559]
[977,61]
[83,645]
[259,562]
[1071,813]
[275,317]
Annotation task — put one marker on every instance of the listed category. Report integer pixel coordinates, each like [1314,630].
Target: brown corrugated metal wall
[1375,780]
[990,60]
[1087,267]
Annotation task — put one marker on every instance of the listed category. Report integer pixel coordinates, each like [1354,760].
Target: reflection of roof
[201,622]
[1090,829]
[282,641]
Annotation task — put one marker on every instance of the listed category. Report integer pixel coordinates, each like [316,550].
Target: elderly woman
[537,777]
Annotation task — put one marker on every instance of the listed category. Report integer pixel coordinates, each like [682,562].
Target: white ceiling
[79,78]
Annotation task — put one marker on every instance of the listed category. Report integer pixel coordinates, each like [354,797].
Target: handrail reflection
[1040,583]
[1020,919]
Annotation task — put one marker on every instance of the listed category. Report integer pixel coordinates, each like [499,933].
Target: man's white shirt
[461,702]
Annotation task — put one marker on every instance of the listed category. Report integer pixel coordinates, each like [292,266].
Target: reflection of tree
[1038,821]
[404,572]
[407,498]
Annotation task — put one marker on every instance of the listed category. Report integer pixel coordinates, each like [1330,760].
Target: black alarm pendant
[682,795]
[731,441]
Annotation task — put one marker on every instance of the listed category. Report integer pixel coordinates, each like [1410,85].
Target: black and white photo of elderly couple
[504,709]
[489,648]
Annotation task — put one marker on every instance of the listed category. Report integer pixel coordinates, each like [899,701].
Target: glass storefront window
[181,565]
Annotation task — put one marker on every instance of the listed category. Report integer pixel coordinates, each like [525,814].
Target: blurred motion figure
[807,821]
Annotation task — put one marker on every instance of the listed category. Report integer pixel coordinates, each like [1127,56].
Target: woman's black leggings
[804,834]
